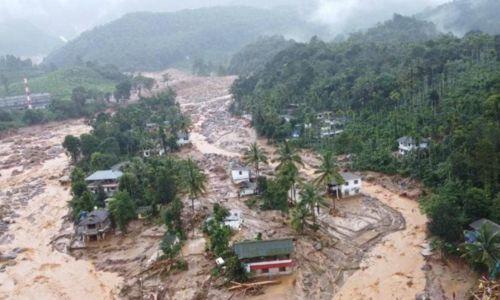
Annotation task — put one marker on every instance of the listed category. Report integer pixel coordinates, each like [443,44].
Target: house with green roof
[266,258]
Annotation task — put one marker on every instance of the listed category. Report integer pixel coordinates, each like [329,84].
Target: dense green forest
[154,41]
[21,38]
[462,16]
[387,83]
[254,56]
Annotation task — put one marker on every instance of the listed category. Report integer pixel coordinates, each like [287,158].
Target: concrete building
[239,174]
[38,101]
[350,187]
[183,139]
[234,220]
[407,144]
[106,179]
[266,258]
[247,188]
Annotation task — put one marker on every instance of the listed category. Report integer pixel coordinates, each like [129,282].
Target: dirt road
[33,203]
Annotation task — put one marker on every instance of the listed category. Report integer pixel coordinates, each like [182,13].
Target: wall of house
[351,187]
[240,175]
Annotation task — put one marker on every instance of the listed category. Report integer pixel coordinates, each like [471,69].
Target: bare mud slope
[32,207]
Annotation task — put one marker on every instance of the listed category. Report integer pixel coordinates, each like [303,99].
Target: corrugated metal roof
[251,249]
[104,175]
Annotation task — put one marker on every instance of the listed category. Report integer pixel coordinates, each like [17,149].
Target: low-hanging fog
[67,18]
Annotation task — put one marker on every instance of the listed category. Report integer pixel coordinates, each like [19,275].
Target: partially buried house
[106,179]
[266,258]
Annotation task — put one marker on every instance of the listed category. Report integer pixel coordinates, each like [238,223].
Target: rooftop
[104,175]
[348,176]
[95,217]
[252,249]
[476,225]
[410,140]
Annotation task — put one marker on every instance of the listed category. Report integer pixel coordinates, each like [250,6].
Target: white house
[234,220]
[153,151]
[239,174]
[182,139]
[352,185]
[407,144]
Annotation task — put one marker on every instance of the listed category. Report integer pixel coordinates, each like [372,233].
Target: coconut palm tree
[299,217]
[328,172]
[310,198]
[255,155]
[288,161]
[485,250]
[287,154]
[195,181]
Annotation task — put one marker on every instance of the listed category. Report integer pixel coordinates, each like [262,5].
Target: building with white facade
[407,144]
[351,186]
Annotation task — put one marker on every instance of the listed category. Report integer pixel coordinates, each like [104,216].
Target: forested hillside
[387,84]
[254,56]
[21,38]
[154,41]
[462,16]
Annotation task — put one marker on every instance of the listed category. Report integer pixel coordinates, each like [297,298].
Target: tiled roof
[251,249]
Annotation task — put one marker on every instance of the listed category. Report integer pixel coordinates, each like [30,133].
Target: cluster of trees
[219,235]
[156,41]
[390,84]
[151,186]
[254,56]
[281,192]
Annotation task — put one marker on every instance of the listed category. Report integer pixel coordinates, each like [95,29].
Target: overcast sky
[69,17]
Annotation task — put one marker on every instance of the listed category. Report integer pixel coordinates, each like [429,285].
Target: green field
[61,82]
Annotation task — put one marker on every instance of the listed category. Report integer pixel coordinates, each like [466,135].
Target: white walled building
[407,144]
[351,186]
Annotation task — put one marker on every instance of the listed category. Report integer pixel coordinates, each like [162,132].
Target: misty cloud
[352,15]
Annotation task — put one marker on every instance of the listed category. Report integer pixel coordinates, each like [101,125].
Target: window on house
[240,172]
[265,271]
[283,269]
[356,181]
[346,183]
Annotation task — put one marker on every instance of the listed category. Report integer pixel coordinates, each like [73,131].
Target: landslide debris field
[370,248]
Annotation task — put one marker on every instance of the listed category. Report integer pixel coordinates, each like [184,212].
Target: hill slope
[21,38]
[462,16]
[153,41]
[61,82]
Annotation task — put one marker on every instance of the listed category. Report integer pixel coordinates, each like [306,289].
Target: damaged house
[94,225]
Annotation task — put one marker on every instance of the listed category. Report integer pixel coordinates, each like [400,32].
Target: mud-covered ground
[33,205]
[370,249]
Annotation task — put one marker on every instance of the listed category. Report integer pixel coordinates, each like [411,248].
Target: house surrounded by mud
[106,179]
[350,187]
[266,258]
[94,225]
[239,174]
